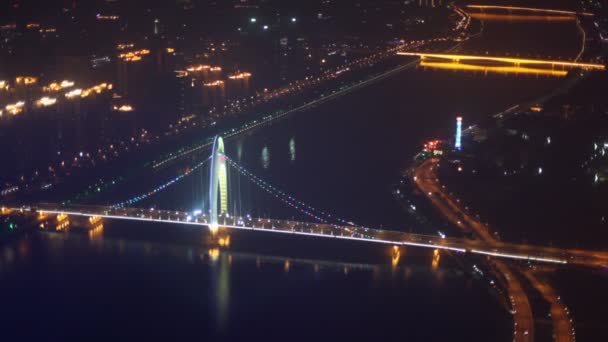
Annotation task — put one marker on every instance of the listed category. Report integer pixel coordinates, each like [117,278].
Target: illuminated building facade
[458,142]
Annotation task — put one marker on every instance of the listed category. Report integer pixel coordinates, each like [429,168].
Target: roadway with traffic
[426,180]
[483,246]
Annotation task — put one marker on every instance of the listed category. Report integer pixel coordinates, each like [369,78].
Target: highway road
[426,180]
[563,330]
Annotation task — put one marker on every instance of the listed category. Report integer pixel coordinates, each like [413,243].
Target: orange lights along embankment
[515,61]
[528,9]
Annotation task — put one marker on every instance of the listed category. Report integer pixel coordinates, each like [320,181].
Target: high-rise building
[458,142]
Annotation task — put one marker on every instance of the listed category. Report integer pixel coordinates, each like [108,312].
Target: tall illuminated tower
[457,143]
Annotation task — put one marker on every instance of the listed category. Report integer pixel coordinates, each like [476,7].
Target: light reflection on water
[220,281]
[265,157]
[292,149]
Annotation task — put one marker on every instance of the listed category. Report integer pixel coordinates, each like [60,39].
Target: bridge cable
[161,187]
[289,200]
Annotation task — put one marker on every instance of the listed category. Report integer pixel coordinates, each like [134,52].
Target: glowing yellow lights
[396,256]
[32,25]
[214,253]
[27,80]
[218,83]
[124,46]
[516,61]
[94,219]
[180,73]
[528,9]
[98,89]
[46,101]
[66,84]
[436,258]
[123,108]
[15,108]
[52,87]
[58,86]
[286,265]
[61,217]
[224,241]
[213,228]
[107,17]
[198,68]
[170,50]
[536,109]
[215,69]
[515,17]
[493,69]
[133,56]
[240,76]
[73,93]
[4,85]
[96,232]
[62,225]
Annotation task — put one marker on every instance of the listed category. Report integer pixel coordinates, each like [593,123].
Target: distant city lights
[58,86]
[27,80]
[239,76]
[123,108]
[214,84]
[46,101]
[133,56]
[107,17]
[73,93]
[15,108]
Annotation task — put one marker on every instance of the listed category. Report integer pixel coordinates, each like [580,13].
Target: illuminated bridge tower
[218,186]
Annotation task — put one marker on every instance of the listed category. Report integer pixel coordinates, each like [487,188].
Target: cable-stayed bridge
[218,216]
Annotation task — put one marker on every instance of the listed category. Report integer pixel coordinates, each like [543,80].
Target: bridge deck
[510,60]
[500,249]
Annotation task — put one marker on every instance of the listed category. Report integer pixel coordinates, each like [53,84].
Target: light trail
[528,9]
[493,69]
[516,61]
[515,256]
[517,17]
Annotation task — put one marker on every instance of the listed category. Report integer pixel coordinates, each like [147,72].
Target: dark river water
[141,281]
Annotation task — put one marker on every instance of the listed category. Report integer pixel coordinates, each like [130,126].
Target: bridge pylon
[218,183]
